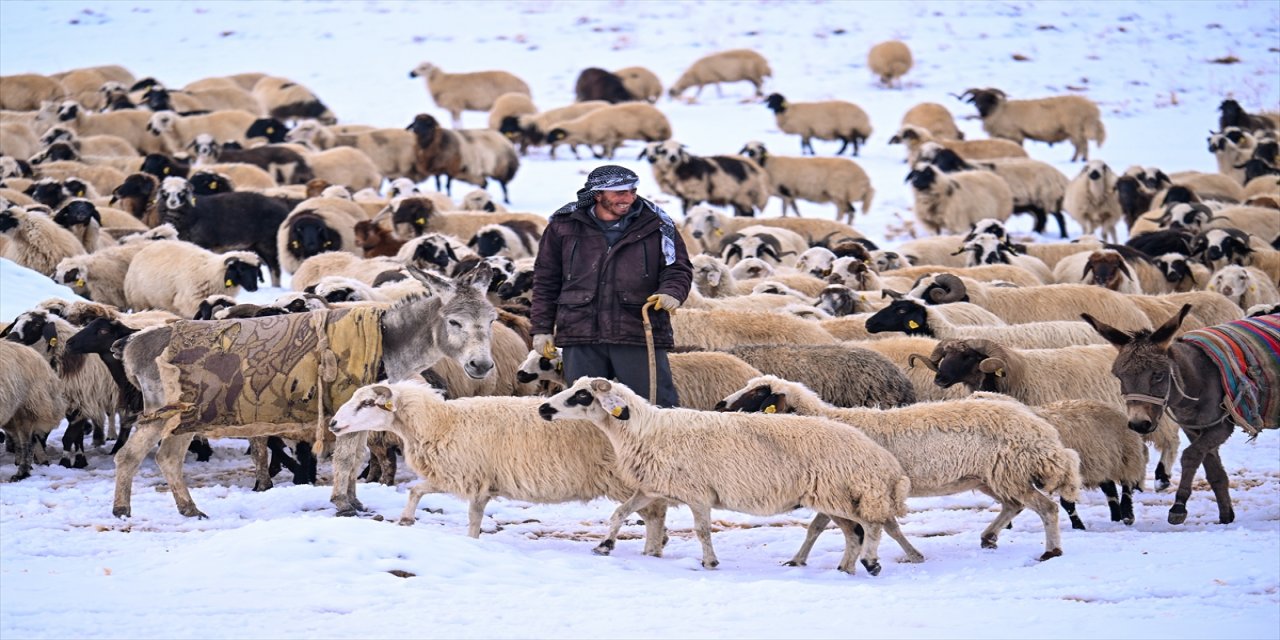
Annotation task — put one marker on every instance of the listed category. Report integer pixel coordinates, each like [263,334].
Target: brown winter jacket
[592,294]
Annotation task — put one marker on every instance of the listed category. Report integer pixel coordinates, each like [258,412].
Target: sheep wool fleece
[1247,353]
[273,370]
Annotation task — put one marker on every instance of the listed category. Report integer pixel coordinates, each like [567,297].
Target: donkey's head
[463,328]
[1145,368]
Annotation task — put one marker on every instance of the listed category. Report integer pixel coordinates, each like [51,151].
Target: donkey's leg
[145,436]
[1221,485]
[170,456]
[346,462]
[1202,442]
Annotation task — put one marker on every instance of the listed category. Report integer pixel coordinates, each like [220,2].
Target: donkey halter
[1163,401]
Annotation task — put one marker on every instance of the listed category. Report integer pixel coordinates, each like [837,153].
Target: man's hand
[664,302]
[543,345]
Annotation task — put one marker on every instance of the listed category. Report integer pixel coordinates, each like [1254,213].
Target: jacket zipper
[573,253]
[644,246]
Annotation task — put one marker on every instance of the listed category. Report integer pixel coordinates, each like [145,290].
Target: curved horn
[890,293]
[951,288]
[911,361]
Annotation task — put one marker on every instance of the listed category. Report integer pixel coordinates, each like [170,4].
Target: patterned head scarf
[612,177]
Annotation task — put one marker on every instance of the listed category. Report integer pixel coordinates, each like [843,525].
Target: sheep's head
[176,194]
[985,248]
[1257,167]
[137,185]
[923,177]
[370,408]
[272,129]
[210,306]
[402,187]
[977,364]
[1175,267]
[751,268]
[538,367]
[838,300]
[1232,112]
[511,130]
[669,153]
[77,212]
[755,150]
[411,216]
[904,314]
[479,200]
[434,252]
[1108,269]
[594,399]
[704,222]
[816,261]
[206,148]
[776,103]
[35,327]
[425,128]
[1232,281]
[207,183]
[556,135]
[161,122]
[68,110]
[57,134]
[1213,245]
[14,168]
[1096,171]
[940,288]
[56,152]
[943,158]
[763,394]
[986,100]
[883,261]
[74,276]
[489,240]
[423,70]
[244,271]
[1231,138]
[517,284]
[909,134]
[854,273]
[8,220]
[309,235]
[48,192]
[162,166]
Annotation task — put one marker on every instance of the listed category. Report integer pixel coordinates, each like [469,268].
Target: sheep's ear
[614,405]
[993,365]
[384,396]
[1088,268]
[776,403]
[1116,337]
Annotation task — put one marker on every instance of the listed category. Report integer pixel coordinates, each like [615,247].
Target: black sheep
[225,221]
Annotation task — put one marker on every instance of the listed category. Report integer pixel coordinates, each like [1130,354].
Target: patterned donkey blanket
[1247,353]
[287,370]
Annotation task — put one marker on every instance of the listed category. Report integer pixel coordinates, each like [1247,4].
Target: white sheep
[890,60]
[609,126]
[916,136]
[482,448]
[532,129]
[176,276]
[1245,286]
[476,91]
[1092,200]
[178,132]
[913,317]
[1054,119]
[26,91]
[1018,305]
[996,446]
[35,241]
[31,400]
[709,227]
[346,166]
[942,250]
[744,462]
[952,202]
[341,263]
[734,65]
[837,180]
[935,119]
[724,329]
[825,120]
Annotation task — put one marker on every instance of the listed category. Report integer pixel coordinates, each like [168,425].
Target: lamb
[837,180]
[890,60]
[842,376]
[722,329]
[1245,286]
[610,126]
[224,222]
[707,459]
[475,91]
[641,83]
[35,241]
[952,202]
[285,99]
[915,318]
[720,180]
[934,119]
[1092,200]
[1051,120]
[176,276]
[994,445]
[915,137]
[825,120]
[595,83]
[734,65]
[1043,376]
[31,400]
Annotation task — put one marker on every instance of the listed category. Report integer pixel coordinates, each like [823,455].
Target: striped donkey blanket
[1247,353]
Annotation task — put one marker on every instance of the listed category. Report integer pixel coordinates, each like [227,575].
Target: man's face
[611,205]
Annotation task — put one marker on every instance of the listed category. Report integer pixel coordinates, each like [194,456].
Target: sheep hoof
[873,568]
[604,548]
[262,486]
[710,564]
[21,475]
[912,558]
[193,512]
[1128,521]
[347,512]
[121,512]
[1178,514]
[407,522]
[1052,553]
[1076,523]
[988,542]
[794,563]
[80,463]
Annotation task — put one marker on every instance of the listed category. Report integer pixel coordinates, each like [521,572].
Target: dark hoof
[19,476]
[873,568]
[711,565]
[793,563]
[1077,523]
[988,543]
[1227,518]
[347,513]
[81,462]
[1052,553]
[1128,521]
[604,548]
[121,512]
[1177,514]
[65,463]
[261,486]
[193,513]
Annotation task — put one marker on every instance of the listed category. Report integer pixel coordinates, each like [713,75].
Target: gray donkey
[282,375]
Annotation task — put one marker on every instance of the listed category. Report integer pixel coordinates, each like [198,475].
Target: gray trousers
[625,363]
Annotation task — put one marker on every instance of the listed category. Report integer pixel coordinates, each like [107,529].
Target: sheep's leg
[22,451]
[637,501]
[1202,442]
[702,527]
[172,452]
[438,181]
[1221,485]
[854,535]
[125,430]
[1062,222]
[475,514]
[816,527]
[73,440]
[505,198]
[1048,512]
[895,531]
[200,446]
[1126,504]
[346,459]
[113,429]
[1113,502]
[407,517]
[1070,508]
[129,459]
[99,432]
[1009,509]
[844,144]
[655,528]
[307,462]
[448,185]
[261,467]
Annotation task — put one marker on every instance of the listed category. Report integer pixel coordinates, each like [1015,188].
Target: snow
[278,563]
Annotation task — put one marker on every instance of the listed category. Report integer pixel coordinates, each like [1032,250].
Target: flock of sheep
[816,368]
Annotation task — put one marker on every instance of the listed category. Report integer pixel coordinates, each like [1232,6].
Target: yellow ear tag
[271,130]
[213,184]
[1000,372]
[421,221]
[771,409]
[388,406]
[80,193]
[230,283]
[166,171]
[53,341]
[1253,289]
[719,232]
[616,411]
[913,324]
[294,244]
[79,282]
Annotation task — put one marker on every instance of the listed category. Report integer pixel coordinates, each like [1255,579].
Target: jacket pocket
[576,314]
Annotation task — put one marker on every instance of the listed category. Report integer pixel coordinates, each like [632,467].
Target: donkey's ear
[1162,336]
[1116,337]
[478,278]
[436,284]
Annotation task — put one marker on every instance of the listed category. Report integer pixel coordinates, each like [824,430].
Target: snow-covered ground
[279,564]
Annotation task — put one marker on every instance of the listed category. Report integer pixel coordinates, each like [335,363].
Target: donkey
[280,374]
[1159,375]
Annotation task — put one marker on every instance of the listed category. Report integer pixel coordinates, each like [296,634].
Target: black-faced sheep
[935,119]
[720,180]
[532,129]
[458,92]
[285,99]
[837,180]
[1050,120]
[915,318]
[176,276]
[953,202]
[283,163]
[224,222]
[824,120]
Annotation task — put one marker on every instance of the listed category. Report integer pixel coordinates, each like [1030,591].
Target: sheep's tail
[1060,474]
[901,491]
[1098,132]
[866,200]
